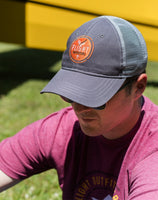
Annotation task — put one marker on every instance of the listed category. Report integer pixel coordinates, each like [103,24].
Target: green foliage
[39,187]
[21,79]
[152,85]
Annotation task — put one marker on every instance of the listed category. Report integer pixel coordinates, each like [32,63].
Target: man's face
[110,122]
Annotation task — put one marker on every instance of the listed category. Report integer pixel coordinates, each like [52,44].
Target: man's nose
[80,108]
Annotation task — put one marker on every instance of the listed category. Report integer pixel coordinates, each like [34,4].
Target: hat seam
[121,40]
[91,26]
[93,74]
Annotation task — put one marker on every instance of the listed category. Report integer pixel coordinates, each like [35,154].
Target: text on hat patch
[81,49]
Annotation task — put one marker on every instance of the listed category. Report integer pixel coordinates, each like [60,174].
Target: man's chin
[90,131]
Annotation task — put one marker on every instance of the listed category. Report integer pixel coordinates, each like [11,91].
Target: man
[105,145]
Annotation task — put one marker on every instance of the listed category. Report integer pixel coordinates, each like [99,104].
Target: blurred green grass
[23,73]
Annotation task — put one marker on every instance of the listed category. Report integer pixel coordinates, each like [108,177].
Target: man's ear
[140,85]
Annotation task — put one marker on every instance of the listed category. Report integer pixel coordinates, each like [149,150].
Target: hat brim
[84,89]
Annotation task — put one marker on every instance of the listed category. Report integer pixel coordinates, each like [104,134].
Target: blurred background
[33,36]
[46,24]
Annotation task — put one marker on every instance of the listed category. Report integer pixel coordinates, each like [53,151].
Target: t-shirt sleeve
[36,148]
[144,179]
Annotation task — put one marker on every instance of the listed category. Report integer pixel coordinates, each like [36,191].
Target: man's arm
[144,183]
[6,182]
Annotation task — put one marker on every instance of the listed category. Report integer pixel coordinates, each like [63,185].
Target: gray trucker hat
[100,55]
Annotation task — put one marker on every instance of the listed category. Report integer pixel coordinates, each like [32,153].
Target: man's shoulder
[150,106]
[151,115]
[63,118]
[62,114]
[145,141]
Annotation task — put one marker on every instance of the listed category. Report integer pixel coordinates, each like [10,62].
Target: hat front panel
[105,57]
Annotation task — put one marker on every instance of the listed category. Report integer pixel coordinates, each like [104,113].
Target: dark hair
[130,82]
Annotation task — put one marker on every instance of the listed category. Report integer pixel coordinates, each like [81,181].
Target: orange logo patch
[81,49]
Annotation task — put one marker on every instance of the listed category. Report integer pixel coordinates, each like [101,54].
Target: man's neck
[127,125]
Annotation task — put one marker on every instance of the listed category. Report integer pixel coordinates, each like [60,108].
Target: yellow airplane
[47,24]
